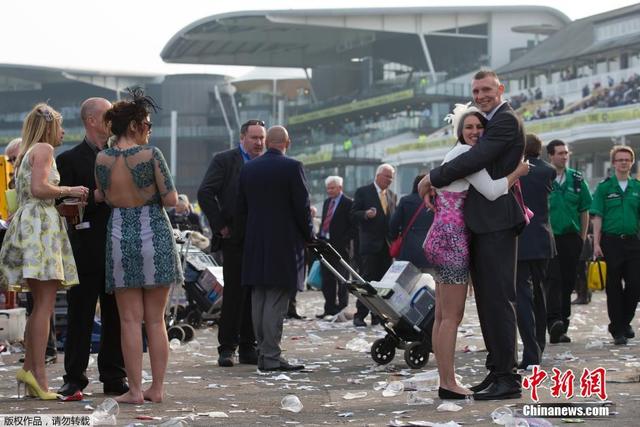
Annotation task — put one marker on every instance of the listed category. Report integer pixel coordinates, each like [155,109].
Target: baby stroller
[203,286]
[404,299]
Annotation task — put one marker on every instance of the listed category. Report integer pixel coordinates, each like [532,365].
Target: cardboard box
[12,324]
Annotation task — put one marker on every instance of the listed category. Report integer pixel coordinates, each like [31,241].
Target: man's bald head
[13,149]
[278,138]
[92,114]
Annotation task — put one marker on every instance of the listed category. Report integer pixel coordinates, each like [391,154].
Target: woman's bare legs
[131,310]
[451,300]
[155,301]
[37,328]
[436,325]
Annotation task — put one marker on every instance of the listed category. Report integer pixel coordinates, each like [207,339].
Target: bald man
[11,151]
[88,239]
[273,202]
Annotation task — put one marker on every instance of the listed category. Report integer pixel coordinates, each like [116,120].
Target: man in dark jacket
[336,228]
[88,240]
[536,247]
[274,199]
[372,207]
[494,227]
[218,199]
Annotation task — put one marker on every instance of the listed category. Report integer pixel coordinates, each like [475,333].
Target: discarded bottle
[502,416]
[394,388]
[417,398]
[291,403]
[358,344]
[175,345]
[105,413]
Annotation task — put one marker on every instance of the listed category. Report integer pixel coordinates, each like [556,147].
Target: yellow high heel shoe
[30,383]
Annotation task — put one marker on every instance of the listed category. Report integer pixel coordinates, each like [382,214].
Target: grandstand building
[379,79]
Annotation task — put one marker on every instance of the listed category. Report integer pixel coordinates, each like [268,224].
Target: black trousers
[332,288]
[52,349]
[623,263]
[561,278]
[235,328]
[81,301]
[373,267]
[493,271]
[531,309]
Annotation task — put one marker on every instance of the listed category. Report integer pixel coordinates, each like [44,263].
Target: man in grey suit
[217,197]
[273,200]
[536,246]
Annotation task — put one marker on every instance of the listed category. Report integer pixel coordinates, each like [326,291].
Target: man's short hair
[334,178]
[533,145]
[253,122]
[622,149]
[385,166]
[12,144]
[551,147]
[485,72]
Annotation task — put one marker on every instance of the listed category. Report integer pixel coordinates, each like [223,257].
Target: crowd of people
[493,215]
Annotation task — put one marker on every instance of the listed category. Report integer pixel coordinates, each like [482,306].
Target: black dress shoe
[284,366]
[629,332]
[357,322]
[248,358]
[555,331]
[69,389]
[321,316]
[620,340]
[295,315]
[115,388]
[225,360]
[499,390]
[443,393]
[564,338]
[486,382]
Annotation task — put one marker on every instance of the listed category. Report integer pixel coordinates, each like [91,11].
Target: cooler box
[211,284]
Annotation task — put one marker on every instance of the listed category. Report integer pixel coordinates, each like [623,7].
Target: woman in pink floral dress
[447,246]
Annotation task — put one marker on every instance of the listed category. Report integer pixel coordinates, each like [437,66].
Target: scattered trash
[193,346]
[424,381]
[213,414]
[394,388]
[175,345]
[358,395]
[566,356]
[291,403]
[105,413]
[505,416]
[417,398]
[282,377]
[594,344]
[174,422]
[470,349]
[449,407]
[346,414]
[358,344]
[380,385]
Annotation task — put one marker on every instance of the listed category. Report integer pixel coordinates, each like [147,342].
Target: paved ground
[201,391]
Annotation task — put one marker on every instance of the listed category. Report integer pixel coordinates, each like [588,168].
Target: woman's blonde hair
[40,125]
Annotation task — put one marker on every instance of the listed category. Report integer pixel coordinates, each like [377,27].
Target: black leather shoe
[486,382]
[284,366]
[555,331]
[564,338]
[69,389]
[499,390]
[50,359]
[225,360]
[358,322]
[620,340]
[629,332]
[443,393]
[375,320]
[321,316]
[115,388]
[295,315]
[249,358]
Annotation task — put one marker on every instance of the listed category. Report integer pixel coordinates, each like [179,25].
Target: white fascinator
[459,110]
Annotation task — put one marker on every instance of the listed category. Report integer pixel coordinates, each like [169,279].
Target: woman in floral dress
[36,254]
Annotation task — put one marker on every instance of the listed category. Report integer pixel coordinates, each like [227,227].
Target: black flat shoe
[443,393]
[115,388]
[629,333]
[499,391]
[225,360]
[248,358]
[486,382]
[69,389]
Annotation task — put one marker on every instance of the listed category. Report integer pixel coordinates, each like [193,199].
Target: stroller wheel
[382,351]
[194,318]
[416,355]
[189,332]
[175,332]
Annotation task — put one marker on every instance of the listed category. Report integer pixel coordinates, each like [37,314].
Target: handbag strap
[413,219]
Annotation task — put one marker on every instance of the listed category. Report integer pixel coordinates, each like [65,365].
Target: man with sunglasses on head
[217,197]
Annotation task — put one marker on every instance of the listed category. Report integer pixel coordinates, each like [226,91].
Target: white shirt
[481,180]
[492,113]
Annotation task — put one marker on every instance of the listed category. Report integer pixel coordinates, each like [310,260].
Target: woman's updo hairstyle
[136,109]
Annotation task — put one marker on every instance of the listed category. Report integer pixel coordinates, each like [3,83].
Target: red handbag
[396,246]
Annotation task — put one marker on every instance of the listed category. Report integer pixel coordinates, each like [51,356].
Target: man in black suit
[274,199]
[372,207]
[337,229]
[536,246]
[217,196]
[88,240]
[494,227]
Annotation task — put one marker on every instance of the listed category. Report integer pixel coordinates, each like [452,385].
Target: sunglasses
[149,124]
[253,123]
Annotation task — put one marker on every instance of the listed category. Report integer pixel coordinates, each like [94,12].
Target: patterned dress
[141,251]
[447,244]
[36,245]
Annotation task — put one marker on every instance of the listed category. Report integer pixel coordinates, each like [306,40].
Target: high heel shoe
[443,393]
[32,387]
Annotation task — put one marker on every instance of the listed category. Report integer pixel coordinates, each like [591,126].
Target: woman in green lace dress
[141,255]
[36,254]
